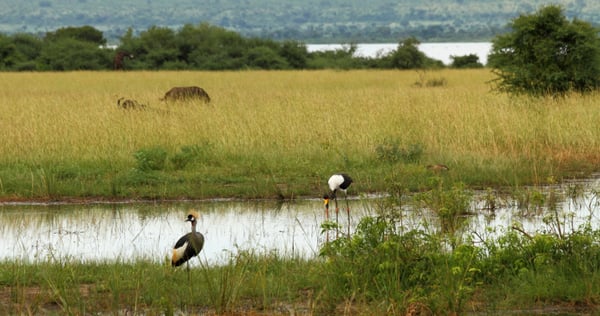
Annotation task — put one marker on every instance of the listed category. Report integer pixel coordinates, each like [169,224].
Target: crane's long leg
[327,220]
[337,225]
[348,214]
[187,265]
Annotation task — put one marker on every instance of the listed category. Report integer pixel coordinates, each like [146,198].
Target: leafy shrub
[382,264]
[546,54]
[450,205]
[391,151]
[408,56]
[152,158]
[186,155]
[467,61]
[263,57]
[397,269]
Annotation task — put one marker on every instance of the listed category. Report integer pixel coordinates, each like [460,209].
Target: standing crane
[189,245]
[338,182]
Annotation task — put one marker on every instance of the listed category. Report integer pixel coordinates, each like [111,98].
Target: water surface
[439,51]
[106,232]
[146,230]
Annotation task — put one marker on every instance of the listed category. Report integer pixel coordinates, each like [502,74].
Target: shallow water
[100,232]
[129,231]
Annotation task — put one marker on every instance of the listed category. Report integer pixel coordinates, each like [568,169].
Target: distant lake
[439,51]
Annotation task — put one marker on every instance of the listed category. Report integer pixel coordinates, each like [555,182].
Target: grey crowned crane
[189,245]
[338,182]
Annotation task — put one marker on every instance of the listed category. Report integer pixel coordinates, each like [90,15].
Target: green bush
[391,151]
[393,268]
[71,54]
[545,54]
[187,155]
[152,158]
[467,61]
[408,56]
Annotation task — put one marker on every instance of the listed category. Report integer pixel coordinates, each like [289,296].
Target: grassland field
[281,133]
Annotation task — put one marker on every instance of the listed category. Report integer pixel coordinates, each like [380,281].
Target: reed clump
[65,135]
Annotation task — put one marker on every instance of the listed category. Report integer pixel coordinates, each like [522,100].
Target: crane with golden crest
[190,244]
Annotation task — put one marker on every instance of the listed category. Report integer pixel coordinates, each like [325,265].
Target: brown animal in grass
[130,104]
[186,93]
[438,167]
[119,58]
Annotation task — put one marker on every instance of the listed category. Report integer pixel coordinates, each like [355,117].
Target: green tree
[408,56]
[467,61]
[342,58]
[28,50]
[7,52]
[263,57]
[157,46]
[83,33]
[213,48]
[71,54]
[545,54]
[295,53]
[19,51]
[134,46]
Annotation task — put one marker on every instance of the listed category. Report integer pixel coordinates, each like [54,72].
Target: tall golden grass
[295,117]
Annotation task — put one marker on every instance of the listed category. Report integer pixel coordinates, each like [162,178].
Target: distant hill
[310,21]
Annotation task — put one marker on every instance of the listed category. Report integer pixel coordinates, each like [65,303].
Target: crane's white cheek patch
[178,252]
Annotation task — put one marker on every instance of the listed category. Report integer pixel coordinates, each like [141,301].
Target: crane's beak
[326,202]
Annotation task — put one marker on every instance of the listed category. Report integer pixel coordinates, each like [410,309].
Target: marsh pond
[129,231]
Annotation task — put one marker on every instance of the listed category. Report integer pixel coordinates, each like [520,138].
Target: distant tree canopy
[193,47]
[84,33]
[545,54]
[408,56]
[467,61]
[71,54]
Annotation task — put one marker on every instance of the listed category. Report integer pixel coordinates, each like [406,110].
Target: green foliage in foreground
[380,269]
[376,270]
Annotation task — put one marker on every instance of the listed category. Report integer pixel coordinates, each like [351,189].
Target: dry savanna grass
[277,121]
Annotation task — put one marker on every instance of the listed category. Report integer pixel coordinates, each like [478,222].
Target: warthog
[130,104]
[186,93]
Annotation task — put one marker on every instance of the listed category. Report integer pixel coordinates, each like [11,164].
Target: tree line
[193,47]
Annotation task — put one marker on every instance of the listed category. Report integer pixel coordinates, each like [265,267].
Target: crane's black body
[189,245]
[193,246]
